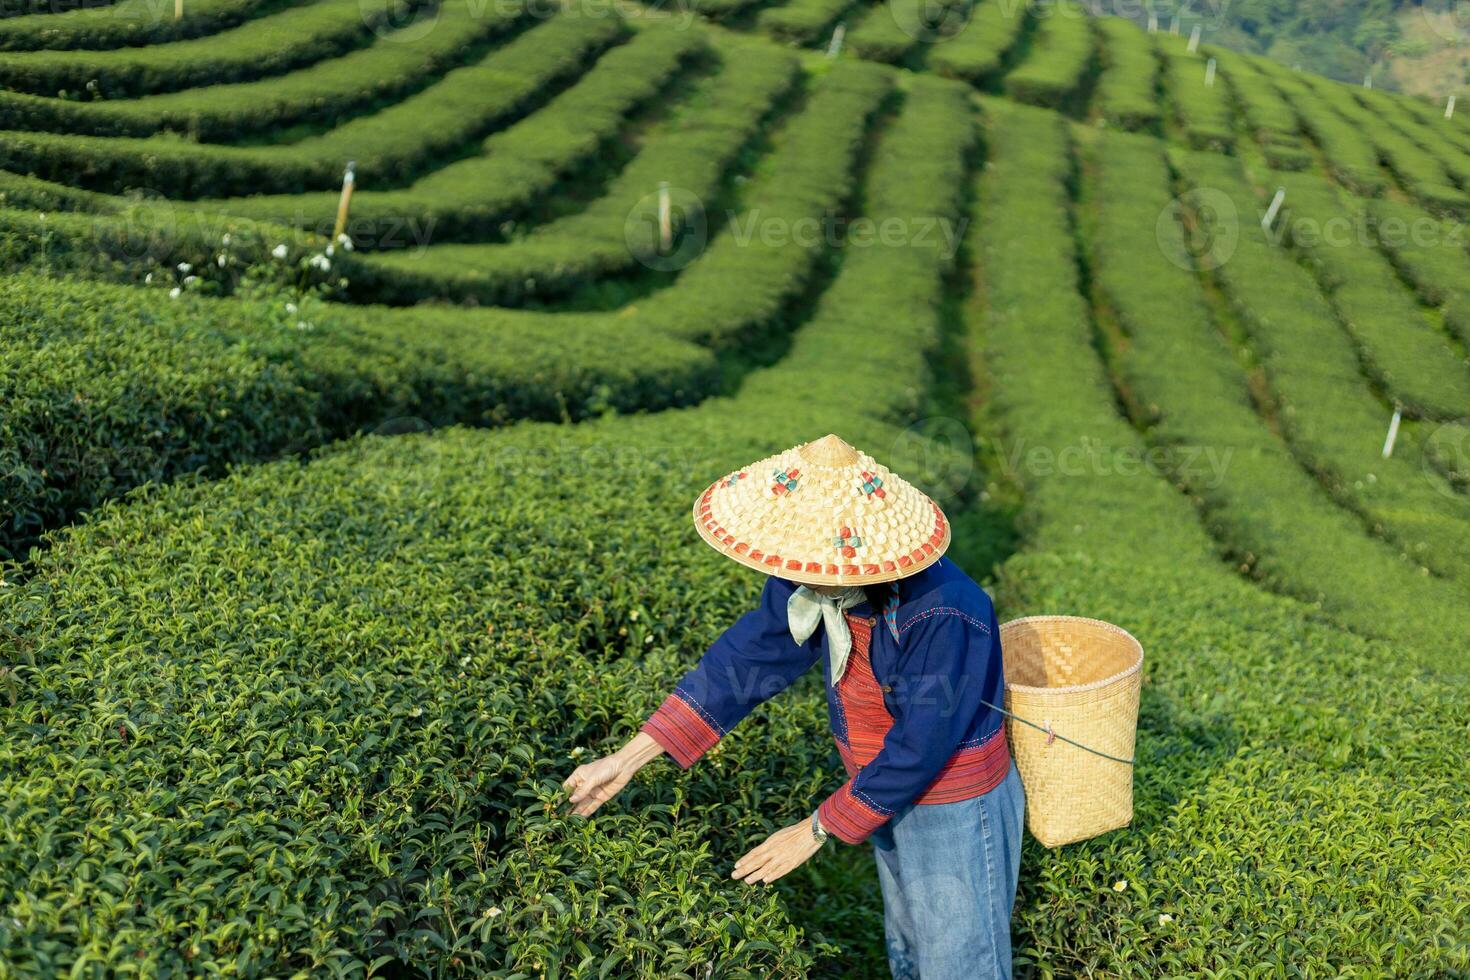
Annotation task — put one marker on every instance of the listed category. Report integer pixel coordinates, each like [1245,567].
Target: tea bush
[442,851]
[324,94]
[1260,726]
[389,146]
[123,24]
[1432,138]
[802,21]
[700,141]
[1270,515]
[1350,154]
[107,388]
[1127,87]
[308,716]
[293,37]
[1413,361]
[475,195]
[1062,54]
[1272,121]
[1326,409]
[1421,174]
[1429,252]
[1203,110]
[978,52]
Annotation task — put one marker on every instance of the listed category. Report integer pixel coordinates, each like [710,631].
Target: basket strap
[1052,734]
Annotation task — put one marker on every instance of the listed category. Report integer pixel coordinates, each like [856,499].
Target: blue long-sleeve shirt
[931,653]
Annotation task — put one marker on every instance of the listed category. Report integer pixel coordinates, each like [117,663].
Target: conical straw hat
[822,514]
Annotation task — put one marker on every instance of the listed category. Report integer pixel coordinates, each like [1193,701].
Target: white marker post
[1174,26]
[1153,23]
[1449,108]
[665,219]
[349,180]
[1210,73]
[1273,210]
[1194,37]
[1393,433]
[1368,80]
[836,46]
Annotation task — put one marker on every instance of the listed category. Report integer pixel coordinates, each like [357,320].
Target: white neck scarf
[805,609]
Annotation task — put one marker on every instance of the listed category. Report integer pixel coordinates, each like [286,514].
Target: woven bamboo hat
[822,514]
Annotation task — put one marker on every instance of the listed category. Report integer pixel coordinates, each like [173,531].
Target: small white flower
[190,280]
[291,308]
[1165,918]
[579,751]
[184,267]
[633,615]
[303,325]
[148,279]
[416,712]
[321,262]
[329,251]
[1120,885]
[345,242]
[220,261]
[174,293]
[280,251]
[225,240]
[648,640]
[492,912]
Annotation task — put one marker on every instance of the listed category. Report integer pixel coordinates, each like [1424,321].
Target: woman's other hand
[781,853]
[593,784]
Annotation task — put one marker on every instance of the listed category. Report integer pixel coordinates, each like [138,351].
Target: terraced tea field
[322,555]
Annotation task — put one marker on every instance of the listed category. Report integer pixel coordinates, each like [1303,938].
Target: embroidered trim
[849,818]
[679,729]
[944,611]
[890,610]
[703,712]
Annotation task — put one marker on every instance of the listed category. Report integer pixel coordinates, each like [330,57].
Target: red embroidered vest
[974,768]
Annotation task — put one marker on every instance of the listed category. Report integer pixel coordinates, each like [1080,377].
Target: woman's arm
[750,663]
[753,660]
[595,783]
[953,665]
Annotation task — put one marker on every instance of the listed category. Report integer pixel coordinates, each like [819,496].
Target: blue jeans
[948,872]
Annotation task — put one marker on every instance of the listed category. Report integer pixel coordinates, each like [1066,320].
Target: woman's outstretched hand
[593,784]
[781,853]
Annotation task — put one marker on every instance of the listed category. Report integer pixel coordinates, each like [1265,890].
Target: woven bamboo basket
[1080,679]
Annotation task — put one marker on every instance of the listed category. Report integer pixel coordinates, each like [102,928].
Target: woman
[911,654]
